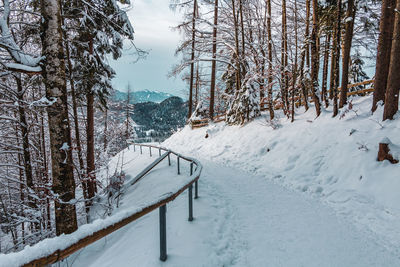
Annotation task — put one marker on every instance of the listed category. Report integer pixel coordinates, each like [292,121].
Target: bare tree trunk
[315,59]
[105,129]
[333,61]
[25,141]
[60,138]
[295,59]
[305,56]
[337,57]
[384,50]
[90,164]
[81,171]
[90,157]
[348,37]
[197,85]
[307,33]
[192,59]
[284,62]
[325,70]
[214,63]
[238,75]
[270,102]
[393,81]
[242,29]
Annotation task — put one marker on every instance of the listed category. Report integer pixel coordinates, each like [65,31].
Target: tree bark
[214,63]
[325,70]
[337,57]
[60,138]
[295,60]
[25,141]
[333,62]
[315,59]
[192,59]
[270,102]
[393,81]
[284,62]
[348,37]
[237,56]
[307,33]
[90,157]
[384,49]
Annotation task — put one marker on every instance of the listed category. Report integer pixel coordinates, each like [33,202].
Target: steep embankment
[331,159]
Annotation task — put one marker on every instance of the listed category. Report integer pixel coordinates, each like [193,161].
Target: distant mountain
[141,96]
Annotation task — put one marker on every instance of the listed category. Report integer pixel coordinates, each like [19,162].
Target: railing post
[190,203]
[196,190]
[141,151]
[169,158]
[191,168]
[163,233]
[179,168]
[150,150]
[159,152]
[134,148]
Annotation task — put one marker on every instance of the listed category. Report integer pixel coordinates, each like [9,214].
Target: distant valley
[156,115]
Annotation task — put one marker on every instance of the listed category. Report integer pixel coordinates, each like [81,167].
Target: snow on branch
[7,42]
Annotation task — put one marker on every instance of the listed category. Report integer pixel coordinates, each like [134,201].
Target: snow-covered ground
[330,159]
[241,220]
[308,193]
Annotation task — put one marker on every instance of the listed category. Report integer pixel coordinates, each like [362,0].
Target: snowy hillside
[331,159]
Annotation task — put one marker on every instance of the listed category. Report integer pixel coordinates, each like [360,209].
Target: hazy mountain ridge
[142,96]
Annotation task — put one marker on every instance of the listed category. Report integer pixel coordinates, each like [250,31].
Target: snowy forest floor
[308,193]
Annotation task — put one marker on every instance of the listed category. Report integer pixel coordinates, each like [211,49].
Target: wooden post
[190,203]
[163,233]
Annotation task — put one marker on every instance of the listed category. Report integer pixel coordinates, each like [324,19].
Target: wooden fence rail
[195,171]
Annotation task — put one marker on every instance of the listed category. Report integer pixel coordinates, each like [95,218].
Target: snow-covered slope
[239,220]
[331,159]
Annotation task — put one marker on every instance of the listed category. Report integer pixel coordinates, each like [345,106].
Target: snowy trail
[240,220]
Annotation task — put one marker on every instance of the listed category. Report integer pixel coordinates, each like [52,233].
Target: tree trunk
[237,56]
[384,49]
[333,62]
[192,59]
[105,129]
[284,61]
[214,63]
[25,141]
[325,70]
[81,172]
[60,138]
[348,37]
[307,34]
[270,102]
[90,157]
[295,59]
[393,81]
[337,57]
[315,59]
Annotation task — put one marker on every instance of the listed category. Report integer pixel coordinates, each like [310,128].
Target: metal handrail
[59,255]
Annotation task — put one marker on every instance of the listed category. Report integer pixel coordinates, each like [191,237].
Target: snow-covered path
[240,220]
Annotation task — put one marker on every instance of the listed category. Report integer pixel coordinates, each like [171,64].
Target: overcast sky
[152,21]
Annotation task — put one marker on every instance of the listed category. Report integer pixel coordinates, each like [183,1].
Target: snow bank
[149,191]
[328,158]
